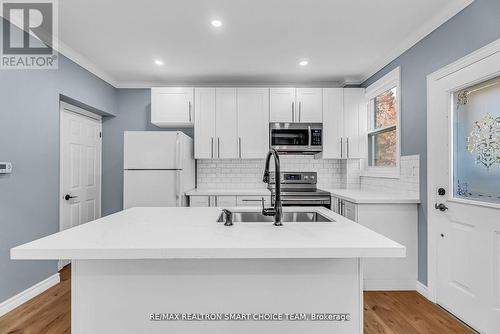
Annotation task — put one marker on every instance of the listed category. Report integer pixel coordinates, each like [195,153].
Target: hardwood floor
[400,312]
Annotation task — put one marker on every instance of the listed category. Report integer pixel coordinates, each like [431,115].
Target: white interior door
[80,168]
[464,189]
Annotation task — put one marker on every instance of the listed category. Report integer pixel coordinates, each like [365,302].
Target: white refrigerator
[158,168]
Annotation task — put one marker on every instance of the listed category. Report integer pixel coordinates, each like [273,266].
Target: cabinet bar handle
[239,146]
[212,147]
[189,110]
[347,147]
[341,147]
[300,110]
[218,147]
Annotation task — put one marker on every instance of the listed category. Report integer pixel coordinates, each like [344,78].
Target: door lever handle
[440,207]
[68,197]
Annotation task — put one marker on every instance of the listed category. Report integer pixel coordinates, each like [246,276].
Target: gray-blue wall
[471,29]
[134,113]
[29,138]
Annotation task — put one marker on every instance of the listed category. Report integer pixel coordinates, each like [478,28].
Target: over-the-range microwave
[296,138]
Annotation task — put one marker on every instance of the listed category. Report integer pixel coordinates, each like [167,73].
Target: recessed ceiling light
[303,63]
[216,23]
[158,62]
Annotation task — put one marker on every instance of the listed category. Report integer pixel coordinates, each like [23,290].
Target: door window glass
[476,151]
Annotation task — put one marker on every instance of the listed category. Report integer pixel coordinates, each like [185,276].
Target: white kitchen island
[136,270]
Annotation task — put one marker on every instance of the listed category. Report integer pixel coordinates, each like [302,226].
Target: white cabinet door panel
[226,124]
[172,106]
[333,122]
[199,201]
[355,122]
[204,128]
[310,105]
[282,104]
[253,122]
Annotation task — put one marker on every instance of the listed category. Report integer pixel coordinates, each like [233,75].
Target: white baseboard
[24,296]
[422,289]
[388,285]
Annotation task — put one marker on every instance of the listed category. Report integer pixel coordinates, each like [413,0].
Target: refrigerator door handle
[178,195]
[178,152]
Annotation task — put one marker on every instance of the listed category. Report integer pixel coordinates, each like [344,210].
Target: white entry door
[80,191]
[463,120]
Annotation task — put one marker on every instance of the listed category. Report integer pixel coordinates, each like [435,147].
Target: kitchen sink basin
[288,217]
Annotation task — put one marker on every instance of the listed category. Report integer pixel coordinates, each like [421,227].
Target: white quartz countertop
[229,192]
[373,197]
[193,233]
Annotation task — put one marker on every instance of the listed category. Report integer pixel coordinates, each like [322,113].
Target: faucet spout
[277,210]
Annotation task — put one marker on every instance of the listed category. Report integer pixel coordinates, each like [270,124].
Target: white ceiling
[261,41]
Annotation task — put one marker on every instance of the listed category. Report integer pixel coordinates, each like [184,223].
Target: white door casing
[80,166]
[464,240]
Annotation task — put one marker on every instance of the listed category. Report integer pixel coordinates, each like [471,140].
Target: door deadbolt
[441,191]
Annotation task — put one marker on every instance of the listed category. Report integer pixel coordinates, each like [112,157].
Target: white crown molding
[31,292]
[149,84]
[438,20]
[85,63]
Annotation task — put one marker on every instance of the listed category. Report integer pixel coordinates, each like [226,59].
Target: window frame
[387,82]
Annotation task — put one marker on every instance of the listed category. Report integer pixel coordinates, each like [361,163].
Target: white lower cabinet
[253,200]
[228,201]
[199,201]
[397,222]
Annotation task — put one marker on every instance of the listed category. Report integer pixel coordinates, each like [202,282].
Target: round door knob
[68,197]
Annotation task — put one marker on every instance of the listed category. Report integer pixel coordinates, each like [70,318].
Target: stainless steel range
[299,189]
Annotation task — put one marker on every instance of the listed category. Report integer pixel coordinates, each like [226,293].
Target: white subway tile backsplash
[231,174]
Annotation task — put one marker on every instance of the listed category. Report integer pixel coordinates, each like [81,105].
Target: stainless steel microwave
[296,138]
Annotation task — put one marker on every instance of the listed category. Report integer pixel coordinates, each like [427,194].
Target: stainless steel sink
[288,217]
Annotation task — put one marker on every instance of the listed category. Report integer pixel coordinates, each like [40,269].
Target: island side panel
[118,296]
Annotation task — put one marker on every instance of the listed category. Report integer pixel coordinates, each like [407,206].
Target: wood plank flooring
[395,312]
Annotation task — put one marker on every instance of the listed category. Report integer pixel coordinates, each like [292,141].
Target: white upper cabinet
[282,104]
[204,123]
[344,123]
[172,106]
[226,125]
[253,122]
[296,105]
[355,122]
[310,105]
[333,123]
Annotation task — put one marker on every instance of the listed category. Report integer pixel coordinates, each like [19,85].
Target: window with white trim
[383,125]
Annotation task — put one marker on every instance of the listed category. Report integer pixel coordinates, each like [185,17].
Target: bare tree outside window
[382,139]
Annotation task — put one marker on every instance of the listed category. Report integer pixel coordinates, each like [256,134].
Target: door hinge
[100,134]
